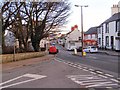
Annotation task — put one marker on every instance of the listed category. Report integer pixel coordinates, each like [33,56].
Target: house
[9,38]
[109,33]
[90,37]
[73,38]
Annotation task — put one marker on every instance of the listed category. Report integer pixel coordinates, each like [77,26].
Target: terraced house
[109,33]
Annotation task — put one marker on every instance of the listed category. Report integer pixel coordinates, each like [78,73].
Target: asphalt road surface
[99,61]
[62,71]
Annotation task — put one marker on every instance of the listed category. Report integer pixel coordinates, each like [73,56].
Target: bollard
[84,53]
[75,51]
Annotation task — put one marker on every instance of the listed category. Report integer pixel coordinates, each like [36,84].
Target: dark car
[79,49]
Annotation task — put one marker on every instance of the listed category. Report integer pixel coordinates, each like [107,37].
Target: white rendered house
[109,33]
[72,39]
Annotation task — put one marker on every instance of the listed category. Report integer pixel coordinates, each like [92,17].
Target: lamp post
[81,23]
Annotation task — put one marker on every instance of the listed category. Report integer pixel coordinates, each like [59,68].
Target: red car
[53,50]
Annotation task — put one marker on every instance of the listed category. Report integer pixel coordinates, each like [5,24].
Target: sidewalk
[27,62]
[109,52]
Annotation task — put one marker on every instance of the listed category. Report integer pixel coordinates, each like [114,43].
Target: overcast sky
[93,15]
[96,13]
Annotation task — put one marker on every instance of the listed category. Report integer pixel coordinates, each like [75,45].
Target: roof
[114,17]
[91,30]
[69,32]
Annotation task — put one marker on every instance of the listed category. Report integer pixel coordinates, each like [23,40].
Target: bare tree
[8,17]
[47,15]
[38,17]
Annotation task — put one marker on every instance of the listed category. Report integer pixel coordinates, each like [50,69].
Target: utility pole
[81,23]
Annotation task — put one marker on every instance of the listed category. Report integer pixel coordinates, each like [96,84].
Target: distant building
[115,8]
[90,37]
[109,33]
[9,38]
[73,39]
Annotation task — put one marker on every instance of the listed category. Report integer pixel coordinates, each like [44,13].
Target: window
[107,28]
[99,41]
[99,30]
[107,41]
[117,26]
[95,36]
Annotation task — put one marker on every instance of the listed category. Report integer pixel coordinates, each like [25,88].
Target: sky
[93,15]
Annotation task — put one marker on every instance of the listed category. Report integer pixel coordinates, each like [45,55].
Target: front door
[112,42]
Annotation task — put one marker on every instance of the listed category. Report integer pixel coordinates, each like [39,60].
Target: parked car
[53,50]
[71,48]
[91,49]
[79,49]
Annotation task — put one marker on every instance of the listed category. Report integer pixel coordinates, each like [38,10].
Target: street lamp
[81,23]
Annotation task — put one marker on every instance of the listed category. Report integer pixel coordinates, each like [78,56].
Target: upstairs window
[107,28]
[117,26]
[99,30]
[99,41]
[107,41]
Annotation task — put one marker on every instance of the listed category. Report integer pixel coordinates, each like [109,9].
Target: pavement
[27,62]
[109,52]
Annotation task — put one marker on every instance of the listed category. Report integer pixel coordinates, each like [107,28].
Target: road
[100,61]
[62,71]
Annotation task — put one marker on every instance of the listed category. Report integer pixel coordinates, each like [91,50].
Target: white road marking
[95,83]
[71,76]
[108,87]
[85,67]
[91,80]
[91,69]
[115,80]
[99,72]
[34,76]
[93,72]
[85,70]
[109,75]
[102,76]
[79,67]
[11,80]
[102,84]
[74,66]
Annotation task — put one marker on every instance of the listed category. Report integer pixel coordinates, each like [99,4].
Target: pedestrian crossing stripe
[92,81]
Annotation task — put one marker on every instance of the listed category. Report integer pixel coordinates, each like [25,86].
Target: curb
[108,53]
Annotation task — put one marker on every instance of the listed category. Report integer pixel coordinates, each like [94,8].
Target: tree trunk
[35,46]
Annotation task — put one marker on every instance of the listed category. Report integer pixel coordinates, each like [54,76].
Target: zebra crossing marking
[92,71]
[91,81]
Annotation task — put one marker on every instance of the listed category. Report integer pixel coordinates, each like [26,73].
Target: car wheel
[89,51]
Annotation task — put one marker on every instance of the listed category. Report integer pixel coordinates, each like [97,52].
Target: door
[112,42]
